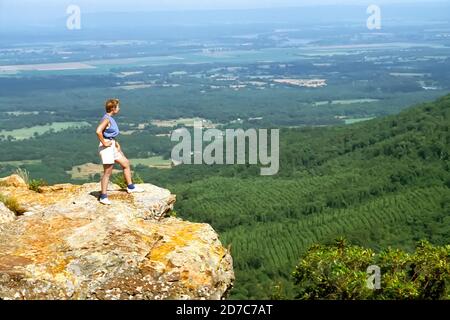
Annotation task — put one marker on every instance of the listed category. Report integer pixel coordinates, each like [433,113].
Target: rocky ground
[64,244]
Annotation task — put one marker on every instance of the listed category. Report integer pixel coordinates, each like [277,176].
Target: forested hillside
[380,183]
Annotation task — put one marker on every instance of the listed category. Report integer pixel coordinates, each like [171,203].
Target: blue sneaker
[135,189]
[104,199]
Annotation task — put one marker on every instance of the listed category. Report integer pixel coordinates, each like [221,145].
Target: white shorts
[109,154]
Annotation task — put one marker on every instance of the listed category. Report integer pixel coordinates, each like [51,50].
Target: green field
[356,120]
[27,133]
[212,56]
[349,101]
[154,162]
[19,163]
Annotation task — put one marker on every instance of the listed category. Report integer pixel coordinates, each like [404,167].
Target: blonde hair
[111,104]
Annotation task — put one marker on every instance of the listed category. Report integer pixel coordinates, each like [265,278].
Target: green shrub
[119,179]
[339,272]
[278,292]
[35,184]
[173,213]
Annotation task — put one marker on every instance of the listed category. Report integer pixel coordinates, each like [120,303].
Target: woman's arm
[101,127]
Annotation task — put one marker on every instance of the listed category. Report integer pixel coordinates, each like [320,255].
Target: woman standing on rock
[110,150]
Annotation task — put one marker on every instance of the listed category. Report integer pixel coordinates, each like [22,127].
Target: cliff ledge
[66,245]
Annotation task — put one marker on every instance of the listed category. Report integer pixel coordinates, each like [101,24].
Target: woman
[110,150]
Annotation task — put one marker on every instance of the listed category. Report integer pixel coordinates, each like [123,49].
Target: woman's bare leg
[125,164]
[107,171]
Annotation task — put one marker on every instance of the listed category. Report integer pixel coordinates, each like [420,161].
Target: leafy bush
[173,213]
[35,184]
[339,271]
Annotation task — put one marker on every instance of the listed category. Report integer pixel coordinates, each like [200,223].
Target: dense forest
[381,183]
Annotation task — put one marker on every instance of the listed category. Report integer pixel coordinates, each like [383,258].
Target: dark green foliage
[340,271]
[35,184]
[381,183]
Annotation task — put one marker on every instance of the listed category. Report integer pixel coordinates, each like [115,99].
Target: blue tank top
[113,130]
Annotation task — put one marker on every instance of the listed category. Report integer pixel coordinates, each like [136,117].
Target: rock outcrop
[6,215]
[69,246]
[13,181]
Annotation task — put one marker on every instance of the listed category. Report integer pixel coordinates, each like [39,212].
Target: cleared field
[104,66]
[22,113]
[86,170]
[131,73]
[128,132]
[350,101]
[309,83]
[19,163]
[188,122]
[134,86]
[13,69]
[153,162]
[351,121]
[406,74]
[27,133]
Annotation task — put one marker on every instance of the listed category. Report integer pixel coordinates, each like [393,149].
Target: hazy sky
[157,5]
[16,14]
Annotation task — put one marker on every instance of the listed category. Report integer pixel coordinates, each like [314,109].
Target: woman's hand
[118,146]
[107,143]
[119,149]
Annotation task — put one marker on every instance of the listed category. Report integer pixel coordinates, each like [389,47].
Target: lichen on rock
[69,246]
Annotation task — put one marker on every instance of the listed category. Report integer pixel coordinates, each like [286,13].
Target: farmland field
[27,133]
[84,171]
[153,162]
[356,120]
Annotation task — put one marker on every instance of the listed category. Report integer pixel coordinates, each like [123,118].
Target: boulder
[13,181]
[69,246]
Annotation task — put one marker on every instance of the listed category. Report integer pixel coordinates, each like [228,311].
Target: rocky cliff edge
[64,244]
